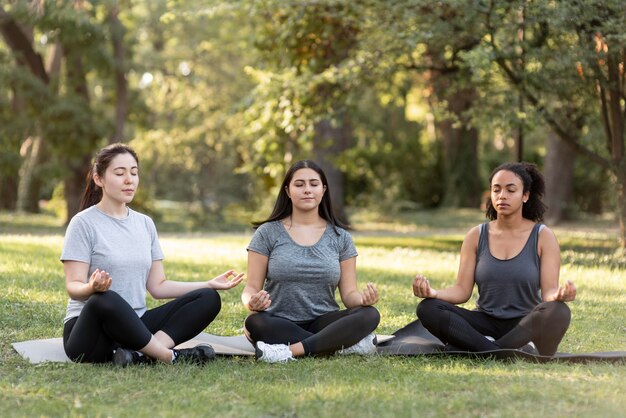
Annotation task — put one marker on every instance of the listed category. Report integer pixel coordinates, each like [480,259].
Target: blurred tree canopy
[406,103]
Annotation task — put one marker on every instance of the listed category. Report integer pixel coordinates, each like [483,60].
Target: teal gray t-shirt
[508,288]
[125,248]
[302,280]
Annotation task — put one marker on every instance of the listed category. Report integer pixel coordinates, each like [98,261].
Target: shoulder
[338,234]
[473,235]
[546,235]
[269,228]
[470,242]
[142,218]
[84,219]
[340,231]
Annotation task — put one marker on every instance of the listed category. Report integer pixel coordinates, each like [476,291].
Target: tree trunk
[559,174]
[328,143]
[121,85]
[73,191]
[8,193]
[20,40]
[29,184]
[621,204]
[80,162]
[460,158]
[459,139]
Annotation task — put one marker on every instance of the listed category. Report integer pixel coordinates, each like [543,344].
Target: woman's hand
[566,293]
[369,295]
[422,289]
[100,281]
[224,280]
[259,301]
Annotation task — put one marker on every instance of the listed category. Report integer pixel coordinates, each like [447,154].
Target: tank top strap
[483,239]
[532,246]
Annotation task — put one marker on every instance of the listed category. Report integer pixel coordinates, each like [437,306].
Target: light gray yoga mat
[51,349]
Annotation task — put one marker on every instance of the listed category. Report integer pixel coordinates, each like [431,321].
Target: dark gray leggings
[107,322]
[545,326]
[324,335]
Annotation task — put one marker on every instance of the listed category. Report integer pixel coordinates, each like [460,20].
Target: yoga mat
[413,340]
[51,349]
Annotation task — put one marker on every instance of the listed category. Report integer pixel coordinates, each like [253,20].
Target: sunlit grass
[33,299]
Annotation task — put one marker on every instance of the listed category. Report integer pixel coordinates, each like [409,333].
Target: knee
[104,301]
[557,312]
[426,307]
[253,324]
[371,316]
[210,299]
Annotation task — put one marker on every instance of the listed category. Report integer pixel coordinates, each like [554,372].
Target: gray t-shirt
[508,288]
[301,280]
[125,248]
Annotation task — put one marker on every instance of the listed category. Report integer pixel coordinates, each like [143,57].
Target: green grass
[33,298]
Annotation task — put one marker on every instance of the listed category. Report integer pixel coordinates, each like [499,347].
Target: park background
[408,105]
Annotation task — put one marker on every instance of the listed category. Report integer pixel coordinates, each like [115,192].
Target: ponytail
[92,193]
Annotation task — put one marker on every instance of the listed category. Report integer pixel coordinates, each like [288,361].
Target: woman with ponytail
[111,256]
[514,260]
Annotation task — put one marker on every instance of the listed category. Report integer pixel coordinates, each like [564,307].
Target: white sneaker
[364,347]
[529,348]
[273,353]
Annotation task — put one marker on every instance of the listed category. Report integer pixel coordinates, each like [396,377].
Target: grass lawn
[33,299]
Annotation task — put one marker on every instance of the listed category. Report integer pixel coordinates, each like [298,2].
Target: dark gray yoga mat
[415,340]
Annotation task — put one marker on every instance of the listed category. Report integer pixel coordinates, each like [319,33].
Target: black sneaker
[123,357]
[199,354]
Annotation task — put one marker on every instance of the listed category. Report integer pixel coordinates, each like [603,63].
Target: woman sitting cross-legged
[111,256]
[514,260]
[296,260]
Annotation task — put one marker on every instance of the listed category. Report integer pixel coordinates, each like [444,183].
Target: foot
[123,357]
[529,349]
[365,347]
[199,354]
[273,353]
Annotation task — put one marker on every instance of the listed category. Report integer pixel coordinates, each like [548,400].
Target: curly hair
[534,184]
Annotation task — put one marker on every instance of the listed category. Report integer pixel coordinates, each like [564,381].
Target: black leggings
[107,322]
[324,335]
[545,326]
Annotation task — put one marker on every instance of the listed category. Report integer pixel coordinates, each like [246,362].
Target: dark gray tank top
[508,288]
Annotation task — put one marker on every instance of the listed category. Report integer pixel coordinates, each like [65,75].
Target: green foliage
[224,95]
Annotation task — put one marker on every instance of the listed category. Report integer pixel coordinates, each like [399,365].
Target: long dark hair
[283,206]
[533,181]
[93,193]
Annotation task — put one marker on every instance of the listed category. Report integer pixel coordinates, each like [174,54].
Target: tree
[68,123]
[573,76]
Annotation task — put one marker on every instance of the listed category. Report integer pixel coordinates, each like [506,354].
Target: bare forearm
[453,294]
[170,289]
[79,290]
[353,299]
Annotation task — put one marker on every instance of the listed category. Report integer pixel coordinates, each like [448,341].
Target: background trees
[407,104]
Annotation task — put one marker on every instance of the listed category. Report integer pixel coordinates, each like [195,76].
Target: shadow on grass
[27,226]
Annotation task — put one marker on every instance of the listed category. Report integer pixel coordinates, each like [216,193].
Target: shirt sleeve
[78,243]
[157,252]
[347,249]
[260,242]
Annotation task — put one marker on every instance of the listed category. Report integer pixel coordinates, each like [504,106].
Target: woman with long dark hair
[111,256]
[297,258]
[514,260]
